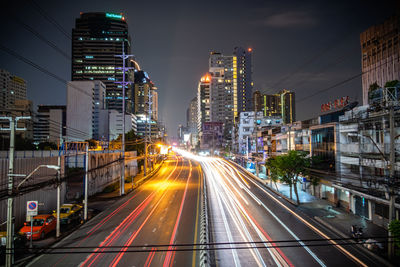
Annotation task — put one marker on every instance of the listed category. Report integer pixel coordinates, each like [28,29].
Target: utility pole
[10,224]
[85,211]
[124,84]
[391,180]
[150,103]
[59,185]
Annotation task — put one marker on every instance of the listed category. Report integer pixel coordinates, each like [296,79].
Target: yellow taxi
[69,213]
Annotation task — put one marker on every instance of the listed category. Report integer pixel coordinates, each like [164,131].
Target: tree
[391,83]
[288,168]
[24,143]
[273,171]
[394,228]
[92,143]
[47,146]
[374,86]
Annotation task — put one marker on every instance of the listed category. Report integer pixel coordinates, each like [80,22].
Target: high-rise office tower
[380,52]
[244,78]
[96,39]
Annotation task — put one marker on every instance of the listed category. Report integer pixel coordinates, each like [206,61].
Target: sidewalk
[129,187]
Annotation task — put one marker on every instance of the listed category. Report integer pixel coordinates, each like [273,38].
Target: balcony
[351,148]
[302,147]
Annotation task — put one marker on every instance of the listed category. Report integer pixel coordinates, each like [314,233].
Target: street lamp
[57,168]
[145,156]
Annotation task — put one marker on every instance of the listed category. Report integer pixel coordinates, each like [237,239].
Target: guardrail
[204,229]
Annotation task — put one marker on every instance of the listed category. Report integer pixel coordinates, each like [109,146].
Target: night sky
[304,46]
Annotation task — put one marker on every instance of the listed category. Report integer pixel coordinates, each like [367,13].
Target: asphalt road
[242,210]
[163,211]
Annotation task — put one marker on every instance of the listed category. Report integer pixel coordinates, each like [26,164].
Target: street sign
[31,208]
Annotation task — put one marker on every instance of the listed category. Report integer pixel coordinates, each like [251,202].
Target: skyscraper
[257,101]
[244,78]
[288,108]
[281,104]
[96,39]
[271,105]
[380,52]
[203,101]
[192,120]
[143,88]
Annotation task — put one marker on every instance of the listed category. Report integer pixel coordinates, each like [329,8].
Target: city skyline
[306,59]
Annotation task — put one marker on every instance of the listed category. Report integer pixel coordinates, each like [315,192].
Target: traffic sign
[31,208]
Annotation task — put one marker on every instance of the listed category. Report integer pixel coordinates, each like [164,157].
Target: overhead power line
[50,19]
[197,247]
[31,63]
[345,81]
[41,37]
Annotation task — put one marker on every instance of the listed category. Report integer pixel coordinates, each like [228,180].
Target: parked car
[41,225]
[69,213]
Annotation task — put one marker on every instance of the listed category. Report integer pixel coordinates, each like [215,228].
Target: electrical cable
[50,19]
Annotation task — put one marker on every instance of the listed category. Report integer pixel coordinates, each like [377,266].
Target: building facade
[380,51]
[146,96]
[96,39]
[212,137]
[192,121]
[49,124]
[115,126]
[85,115]
[203,102]
[243,64]
[12,88]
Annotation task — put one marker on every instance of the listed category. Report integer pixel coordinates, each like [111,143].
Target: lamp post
[145,156]
[57,168]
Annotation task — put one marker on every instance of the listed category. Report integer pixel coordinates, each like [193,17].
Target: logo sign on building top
[336,104]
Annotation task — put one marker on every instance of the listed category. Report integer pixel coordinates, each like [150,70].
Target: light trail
[279,258]
[129,220]
[227,184]
[224,219]
[167,260]
[343,250]
[108,217]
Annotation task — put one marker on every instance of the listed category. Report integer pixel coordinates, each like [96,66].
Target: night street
[213,133]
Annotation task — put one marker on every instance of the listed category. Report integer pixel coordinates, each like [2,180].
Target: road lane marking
[129,242]
[311,226]
[169,255]
[225,221]
[125,223]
